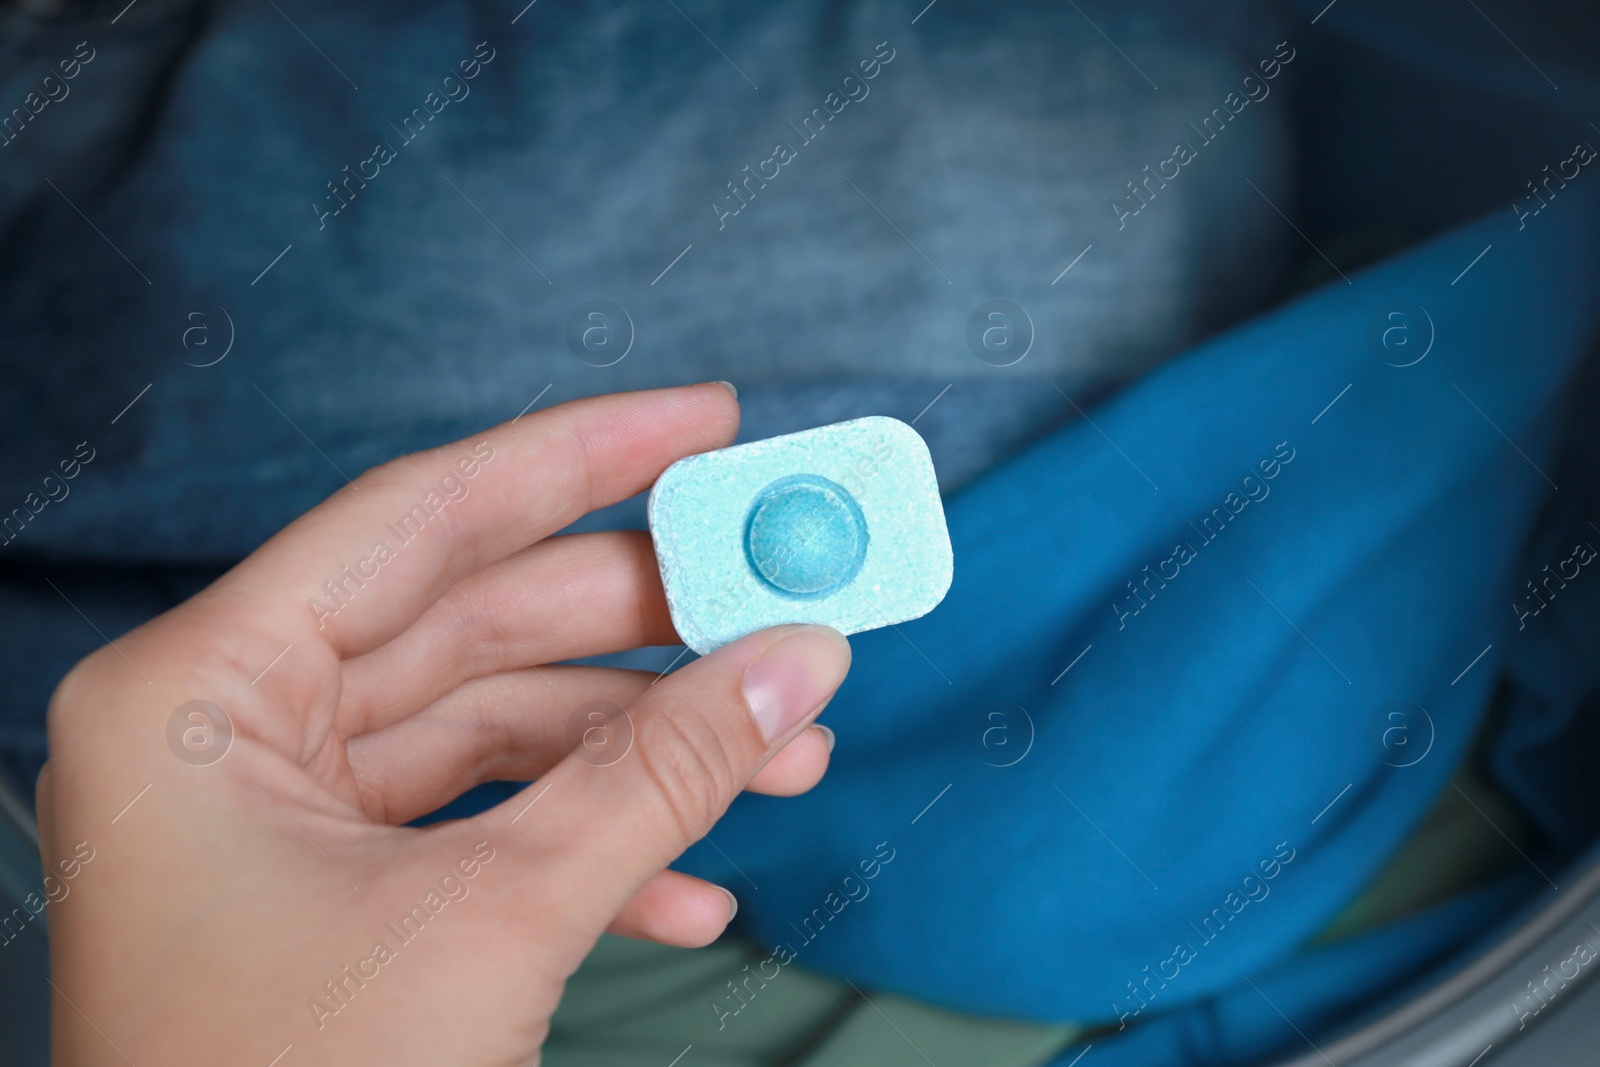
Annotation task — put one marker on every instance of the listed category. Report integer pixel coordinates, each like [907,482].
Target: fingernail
[827,734]
[733,903]
[734,389]
[793,677]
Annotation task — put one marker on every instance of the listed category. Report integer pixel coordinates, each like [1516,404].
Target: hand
[274,898]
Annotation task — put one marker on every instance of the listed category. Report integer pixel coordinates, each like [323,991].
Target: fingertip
[726,397]
[787,684]
[676,909]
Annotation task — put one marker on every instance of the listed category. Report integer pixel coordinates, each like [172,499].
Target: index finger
[359,568]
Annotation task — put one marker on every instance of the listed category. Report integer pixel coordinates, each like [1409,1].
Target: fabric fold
[1197,766]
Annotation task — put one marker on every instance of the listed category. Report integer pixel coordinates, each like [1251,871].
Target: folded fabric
[1310,990]
[1190,618]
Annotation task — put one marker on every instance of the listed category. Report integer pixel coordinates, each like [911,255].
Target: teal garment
[1346,533]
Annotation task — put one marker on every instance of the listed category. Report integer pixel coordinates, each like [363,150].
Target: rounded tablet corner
[668,476]
[949,580]
[688,631]
[885,423]
[907,434]
[937,593]
[650,507]
[894,425]
[698,640]
[664,481]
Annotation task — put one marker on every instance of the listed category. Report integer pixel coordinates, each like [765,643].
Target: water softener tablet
[841,525]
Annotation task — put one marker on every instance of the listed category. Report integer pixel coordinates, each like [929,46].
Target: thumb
[697,737]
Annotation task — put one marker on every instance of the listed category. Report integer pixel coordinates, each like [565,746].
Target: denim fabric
[593,145]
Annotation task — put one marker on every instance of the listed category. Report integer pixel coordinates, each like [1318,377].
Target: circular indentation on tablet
[806,536]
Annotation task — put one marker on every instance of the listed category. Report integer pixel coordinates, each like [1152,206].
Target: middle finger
[569,596]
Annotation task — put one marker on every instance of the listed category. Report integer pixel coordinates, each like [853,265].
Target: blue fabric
[1195,737]
[1305,994]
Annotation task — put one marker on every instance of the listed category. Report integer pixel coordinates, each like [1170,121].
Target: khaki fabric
[634,1004]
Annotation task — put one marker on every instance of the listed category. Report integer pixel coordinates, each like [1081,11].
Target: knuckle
[79,689]
[477,649]
[397,471]
[689,760]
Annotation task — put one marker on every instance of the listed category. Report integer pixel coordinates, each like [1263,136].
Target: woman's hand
[381,655]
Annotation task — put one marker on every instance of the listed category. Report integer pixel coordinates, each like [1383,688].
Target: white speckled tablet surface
[841,525]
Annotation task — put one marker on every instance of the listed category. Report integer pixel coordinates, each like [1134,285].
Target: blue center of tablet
[805,536]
